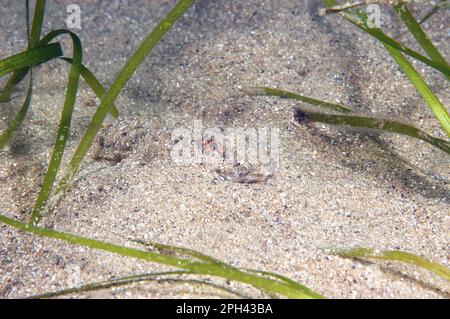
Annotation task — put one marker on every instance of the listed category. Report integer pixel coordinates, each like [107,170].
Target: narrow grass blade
[87,75]
[30,57]
[430,98]
[349,120]
[436,7]
[115,282]
[38,20]
[397,255]
[295,285]
[379,34]
[418,33]
[15,124]
[159,277]
[179,251]
[33,38]
[205,268]
[122,78]
[15,79]
[94,84]
[372,123]
[195,254]
[64,126]
[430,13]
[337,7]
[18,75]
[296,96]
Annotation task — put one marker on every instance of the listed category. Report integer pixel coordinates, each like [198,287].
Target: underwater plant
[356,16]
[196,267]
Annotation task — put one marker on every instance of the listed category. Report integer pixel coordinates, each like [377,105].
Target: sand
[333,188]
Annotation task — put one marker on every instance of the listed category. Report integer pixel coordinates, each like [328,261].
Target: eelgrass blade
[108,284]
[179,250]
[85,73]
[195,254]
[439,111]
[6,136]
[288,281]
[372,123]
[205,268]
[430,13]
[30,57]
[349,120]
[430,98]
[38,20]
[433,10]
[386,40]
[296,96]
[122,78]
[436,106]
[378,34]
[418,33]
[64,126]
[397,255]
[15,79]
[167,276]
[15,124]
[94,84]
[415,78]
[33,38]
[337,7]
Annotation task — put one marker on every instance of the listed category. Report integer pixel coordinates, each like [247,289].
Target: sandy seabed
[333,188]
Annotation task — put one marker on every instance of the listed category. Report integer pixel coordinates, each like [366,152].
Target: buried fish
[246,176]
